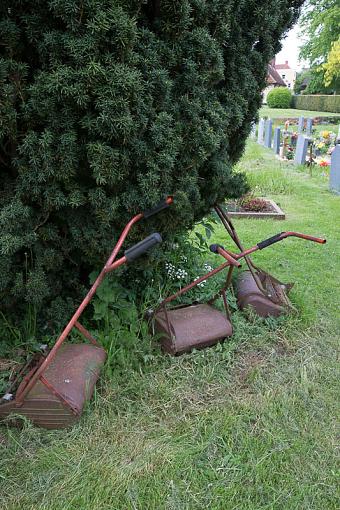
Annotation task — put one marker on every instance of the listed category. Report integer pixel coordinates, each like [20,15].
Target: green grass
[247,425]
[317,129]
[282,113]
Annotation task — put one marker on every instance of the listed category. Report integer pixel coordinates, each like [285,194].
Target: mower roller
[186,327]
[51,391]
[255,287]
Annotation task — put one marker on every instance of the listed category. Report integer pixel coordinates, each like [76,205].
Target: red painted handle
[304,236]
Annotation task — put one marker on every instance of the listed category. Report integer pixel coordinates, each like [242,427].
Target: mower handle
[217,248]
[138,249]
[163,204]
[234,257]
[282,235]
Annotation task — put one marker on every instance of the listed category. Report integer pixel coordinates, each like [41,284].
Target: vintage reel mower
[255,287]
[52,390]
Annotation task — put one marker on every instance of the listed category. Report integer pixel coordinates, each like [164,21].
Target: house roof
[282,66]
[273,77]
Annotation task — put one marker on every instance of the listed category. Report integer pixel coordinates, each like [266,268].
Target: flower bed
[254,207]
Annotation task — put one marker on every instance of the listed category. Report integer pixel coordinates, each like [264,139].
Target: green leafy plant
[279,97]
[251,203]
[17,346]
[290,153]
[119,326]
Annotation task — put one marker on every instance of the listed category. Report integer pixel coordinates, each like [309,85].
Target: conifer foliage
[108,105]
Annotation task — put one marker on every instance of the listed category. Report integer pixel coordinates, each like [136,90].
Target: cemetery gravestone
[268,134]
[301,150]
[334,176]
[276,146]
[301,124]
[260,132]
[253,131]
[309,127]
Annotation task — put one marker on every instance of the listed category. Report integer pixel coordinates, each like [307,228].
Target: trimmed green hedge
[317,103]
[279,97]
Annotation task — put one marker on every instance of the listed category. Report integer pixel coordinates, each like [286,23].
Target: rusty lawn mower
[198,325]
[52,390]
[185,327]
[255,287]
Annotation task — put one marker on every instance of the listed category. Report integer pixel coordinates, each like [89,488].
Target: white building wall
[288,76]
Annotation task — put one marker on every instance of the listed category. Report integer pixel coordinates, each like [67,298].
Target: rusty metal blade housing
[249,294]
[191,327]
[58,398]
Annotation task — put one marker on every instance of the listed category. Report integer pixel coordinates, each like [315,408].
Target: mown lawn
[250,424]
[282,113]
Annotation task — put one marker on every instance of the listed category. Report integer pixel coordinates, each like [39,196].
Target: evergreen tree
[108,105]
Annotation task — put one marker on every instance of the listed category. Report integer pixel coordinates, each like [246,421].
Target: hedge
[317,103]
[279,97]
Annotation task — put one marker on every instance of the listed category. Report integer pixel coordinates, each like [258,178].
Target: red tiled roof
[282,66]
[273,77]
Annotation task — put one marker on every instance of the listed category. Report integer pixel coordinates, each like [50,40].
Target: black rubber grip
[159,207]
[143,246]
[269,241]
[214,247]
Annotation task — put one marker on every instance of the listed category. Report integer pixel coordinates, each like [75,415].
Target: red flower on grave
[324,163]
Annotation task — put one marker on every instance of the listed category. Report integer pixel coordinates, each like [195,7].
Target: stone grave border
[277,214]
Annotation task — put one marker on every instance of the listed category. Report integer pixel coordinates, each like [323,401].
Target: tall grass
[248,424]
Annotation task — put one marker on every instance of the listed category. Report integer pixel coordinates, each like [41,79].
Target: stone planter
[276,213]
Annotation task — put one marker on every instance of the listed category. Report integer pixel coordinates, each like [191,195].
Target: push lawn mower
[185,327]
[255,287]
[52,390]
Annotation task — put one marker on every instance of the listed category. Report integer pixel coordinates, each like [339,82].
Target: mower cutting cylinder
[186,327]
[57,398]
[266,295]
[270,298]
[249,295]
[54,391]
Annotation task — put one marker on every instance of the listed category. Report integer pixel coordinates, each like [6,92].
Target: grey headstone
[268,134]
[334,176]
[276,145]
[260,133]
[309,127]
[253,131]
[301,150]
[301,124]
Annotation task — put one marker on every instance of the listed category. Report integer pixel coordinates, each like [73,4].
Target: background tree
[303,78]
[312,81]
[320,22]
[332,66]
[107,105]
